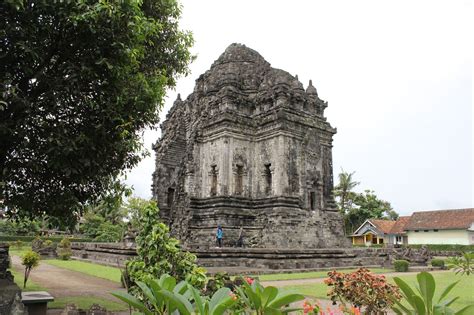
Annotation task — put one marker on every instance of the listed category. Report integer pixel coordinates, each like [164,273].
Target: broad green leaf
[198,302]
[285,299]
[427,286]
[178,301]
[148,293]
[219,296]
[447,290]
[406,291]
[132,301]
[420,305]
[269,293]
[468,310]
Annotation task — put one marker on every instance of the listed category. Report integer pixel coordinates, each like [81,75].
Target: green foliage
[358,207]
[401,265]
[27,239]
[362,289]
[158,253]
[463,264]
[80,81]
[165,296]
[265,300]
[421,300]
[343,191]
[437,263]
[20,226]
[133,209]
[64,249]
[108,232]
[30,260]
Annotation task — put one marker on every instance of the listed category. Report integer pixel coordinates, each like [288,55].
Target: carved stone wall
[248,148]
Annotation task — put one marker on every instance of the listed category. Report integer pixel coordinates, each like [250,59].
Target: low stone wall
[111,254]
[254,258]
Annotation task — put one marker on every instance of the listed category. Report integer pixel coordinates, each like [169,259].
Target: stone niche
[249,148]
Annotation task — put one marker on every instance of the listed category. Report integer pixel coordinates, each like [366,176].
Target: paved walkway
[62,282]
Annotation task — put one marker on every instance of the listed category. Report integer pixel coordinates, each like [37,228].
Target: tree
[368,206]
[358,207]
[30,260]
[79,82]
[159,253]
[343,191]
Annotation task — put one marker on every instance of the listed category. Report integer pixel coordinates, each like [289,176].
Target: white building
[441,227]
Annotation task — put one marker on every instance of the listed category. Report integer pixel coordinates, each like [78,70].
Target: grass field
[464,289]
[99,271]
[310,275]
[30,285]
[85,302]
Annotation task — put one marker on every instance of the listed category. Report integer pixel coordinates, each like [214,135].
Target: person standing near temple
[219,235]
[240,240]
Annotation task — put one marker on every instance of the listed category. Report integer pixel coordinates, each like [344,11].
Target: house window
[398,239]
[268,179]
[416,231]
[170,197]
[239,180]
[213,180]
[426,230]
[435,230]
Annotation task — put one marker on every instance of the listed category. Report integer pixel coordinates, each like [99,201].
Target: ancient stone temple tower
[249,148]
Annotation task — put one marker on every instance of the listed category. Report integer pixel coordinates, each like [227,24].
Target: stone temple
[249,148]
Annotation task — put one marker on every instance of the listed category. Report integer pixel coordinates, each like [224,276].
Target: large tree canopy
[358,207]
[80,80]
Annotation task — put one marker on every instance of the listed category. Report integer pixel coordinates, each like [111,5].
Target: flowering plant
[362,289]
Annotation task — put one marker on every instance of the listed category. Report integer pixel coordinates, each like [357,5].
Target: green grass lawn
[85,302]
[15,251]
[310,275]
[30,285]
[100,271]
[464,289]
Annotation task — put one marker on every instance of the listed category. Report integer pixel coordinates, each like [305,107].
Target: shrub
[437,263]
[64,249]
[165,296]
[421,299]
[28,239]
[30,260]
[401,265]
[159,254]
[463,264]
[362,289]
[108,232]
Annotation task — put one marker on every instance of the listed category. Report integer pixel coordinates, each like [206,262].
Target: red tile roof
[441,219]
[399,225]
[383,225]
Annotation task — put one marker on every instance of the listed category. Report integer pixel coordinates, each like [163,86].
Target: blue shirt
[219,233]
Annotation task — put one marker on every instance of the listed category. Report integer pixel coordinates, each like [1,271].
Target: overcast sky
[397,76]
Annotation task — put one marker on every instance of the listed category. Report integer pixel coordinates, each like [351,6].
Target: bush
[108,232]
[64,249]
[159,254]
[401,265]
[362,289]
[30,260]
[437,263]
[28,239]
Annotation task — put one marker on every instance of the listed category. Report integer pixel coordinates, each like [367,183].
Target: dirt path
[62,282]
